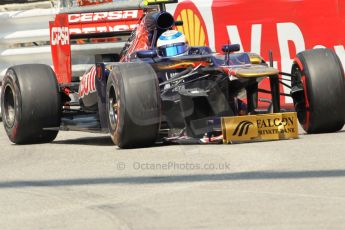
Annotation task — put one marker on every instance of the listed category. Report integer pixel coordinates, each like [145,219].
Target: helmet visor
[172,50]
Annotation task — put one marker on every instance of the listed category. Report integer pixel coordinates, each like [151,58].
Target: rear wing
[105,20]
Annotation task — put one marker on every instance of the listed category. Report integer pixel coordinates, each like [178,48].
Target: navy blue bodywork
[207,90]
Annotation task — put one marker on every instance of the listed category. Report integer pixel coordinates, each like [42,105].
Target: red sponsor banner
[61,48]
[280,25]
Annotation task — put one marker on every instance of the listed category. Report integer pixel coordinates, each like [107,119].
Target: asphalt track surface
[82,181]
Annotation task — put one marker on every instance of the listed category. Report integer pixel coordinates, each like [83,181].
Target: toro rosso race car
[160,89]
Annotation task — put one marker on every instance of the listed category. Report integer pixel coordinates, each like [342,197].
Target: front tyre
[133,105]
[318,90]
[30,103]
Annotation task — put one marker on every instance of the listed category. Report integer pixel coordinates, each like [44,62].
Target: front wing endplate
[274,126]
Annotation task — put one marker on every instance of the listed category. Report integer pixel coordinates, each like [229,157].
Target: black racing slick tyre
[133,105]
[320,103]
[31,102]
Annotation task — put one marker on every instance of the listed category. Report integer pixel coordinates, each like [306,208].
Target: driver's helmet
[172,43]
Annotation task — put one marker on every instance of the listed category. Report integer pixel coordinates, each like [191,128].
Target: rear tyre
[133,105]
[30,103]
[320,96]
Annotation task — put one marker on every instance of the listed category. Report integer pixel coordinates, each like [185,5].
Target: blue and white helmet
[172,43]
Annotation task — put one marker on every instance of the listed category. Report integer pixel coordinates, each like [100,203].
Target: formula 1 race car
[160,89]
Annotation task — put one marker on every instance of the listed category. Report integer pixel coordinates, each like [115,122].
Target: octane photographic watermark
[171,166]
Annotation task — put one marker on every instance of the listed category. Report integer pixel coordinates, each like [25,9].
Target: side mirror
[146,53]
[231,48]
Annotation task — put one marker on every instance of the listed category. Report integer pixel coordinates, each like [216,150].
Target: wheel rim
[9,106]
[113,108]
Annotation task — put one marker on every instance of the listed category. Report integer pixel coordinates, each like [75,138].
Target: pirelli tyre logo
[260,127]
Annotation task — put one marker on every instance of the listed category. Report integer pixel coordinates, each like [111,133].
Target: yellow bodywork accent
[181,65]
[255,71]
[274,126]
[255,58]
